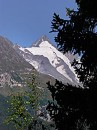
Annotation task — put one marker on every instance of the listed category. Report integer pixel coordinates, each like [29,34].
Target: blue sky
[24,21]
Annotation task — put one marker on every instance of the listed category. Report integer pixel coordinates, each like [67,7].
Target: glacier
[48,60]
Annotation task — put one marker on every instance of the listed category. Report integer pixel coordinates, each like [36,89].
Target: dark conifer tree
[76,108]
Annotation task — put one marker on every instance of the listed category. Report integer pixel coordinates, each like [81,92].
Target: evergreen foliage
[23,107]
[75,107]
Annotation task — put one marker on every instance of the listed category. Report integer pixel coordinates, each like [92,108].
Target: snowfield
[47,59]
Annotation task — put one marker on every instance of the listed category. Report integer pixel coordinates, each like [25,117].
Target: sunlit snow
[54,57]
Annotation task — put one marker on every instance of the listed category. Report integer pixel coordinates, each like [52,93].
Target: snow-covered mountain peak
[44,38]
[45,44]
[48,60]
[40,40]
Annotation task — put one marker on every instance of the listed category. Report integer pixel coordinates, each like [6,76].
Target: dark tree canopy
[75,108]
[78,36]
[88,7]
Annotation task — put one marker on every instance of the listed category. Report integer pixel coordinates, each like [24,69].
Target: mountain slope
[15,71]
[48,60]
[12,66]
[10,60]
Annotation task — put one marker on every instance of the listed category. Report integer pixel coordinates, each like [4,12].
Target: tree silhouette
[75,108]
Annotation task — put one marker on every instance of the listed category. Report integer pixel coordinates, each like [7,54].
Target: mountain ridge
[15,71]
[42,57]
[48,60]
